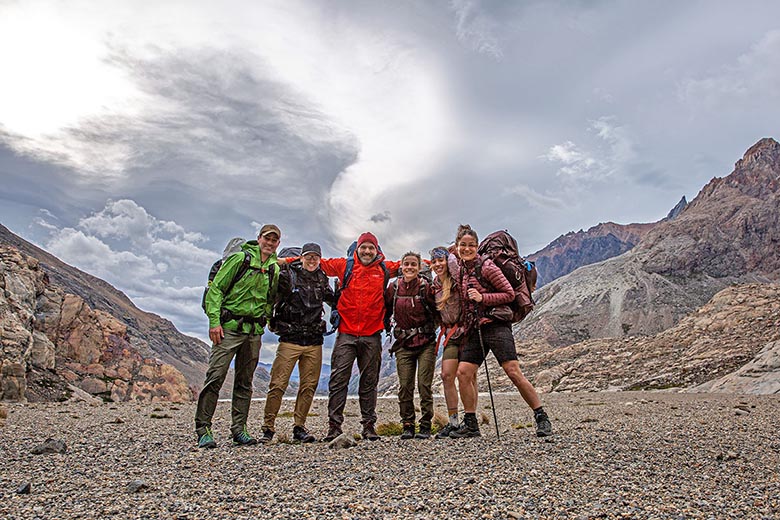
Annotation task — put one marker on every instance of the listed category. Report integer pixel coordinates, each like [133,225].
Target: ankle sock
[454,419]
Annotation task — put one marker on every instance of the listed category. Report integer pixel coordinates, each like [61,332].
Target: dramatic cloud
[137,138]
[151,260]
[94,256]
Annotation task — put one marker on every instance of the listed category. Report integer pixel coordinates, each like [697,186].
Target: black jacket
[298,310]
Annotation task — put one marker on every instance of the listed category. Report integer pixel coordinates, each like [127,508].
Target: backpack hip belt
[226,316]
[408,333]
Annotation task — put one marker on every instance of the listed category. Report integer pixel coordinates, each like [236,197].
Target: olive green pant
[422,362]
[246,349]
[309,359]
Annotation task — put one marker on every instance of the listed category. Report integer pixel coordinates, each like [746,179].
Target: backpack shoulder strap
[350,265]
[390,316]
[386,271]
[273,281]
[423,290]
[242,269]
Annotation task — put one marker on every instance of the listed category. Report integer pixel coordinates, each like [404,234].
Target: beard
[366,259]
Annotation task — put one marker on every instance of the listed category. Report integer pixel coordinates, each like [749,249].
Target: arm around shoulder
[334,266]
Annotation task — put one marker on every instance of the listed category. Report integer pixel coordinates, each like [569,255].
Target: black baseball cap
[311,247]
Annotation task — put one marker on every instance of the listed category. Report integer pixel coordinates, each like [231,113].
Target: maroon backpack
[501,248]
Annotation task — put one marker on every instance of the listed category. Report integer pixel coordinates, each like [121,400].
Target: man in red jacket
[361,308]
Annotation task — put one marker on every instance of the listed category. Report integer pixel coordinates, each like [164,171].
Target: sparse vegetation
[389,429]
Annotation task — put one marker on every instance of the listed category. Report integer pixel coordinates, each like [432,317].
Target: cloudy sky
[137,138]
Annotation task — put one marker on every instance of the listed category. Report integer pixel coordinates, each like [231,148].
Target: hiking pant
[246,349]
[409,362]
[309,359]
[368,352]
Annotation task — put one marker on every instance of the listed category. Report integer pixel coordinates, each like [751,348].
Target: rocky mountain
[731,344]
[54,344]
[148,334]
[730,233]
[576,249]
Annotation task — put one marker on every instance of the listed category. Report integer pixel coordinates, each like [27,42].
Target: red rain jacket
[362,304]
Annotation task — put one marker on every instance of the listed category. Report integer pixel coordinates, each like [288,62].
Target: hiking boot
[469,428]
[446,431]
[267,437]
[543,426]
[243,438]
[424,433]
[408,432]
[333,432]
[207,440]
[369,433]
[301,435]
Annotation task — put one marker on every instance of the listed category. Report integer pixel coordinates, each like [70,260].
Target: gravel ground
[613,455]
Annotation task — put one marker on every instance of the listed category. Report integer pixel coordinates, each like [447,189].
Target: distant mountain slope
[730,233]
[576,249]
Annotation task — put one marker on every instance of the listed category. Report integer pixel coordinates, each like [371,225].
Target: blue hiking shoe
[207,440]
[243,438]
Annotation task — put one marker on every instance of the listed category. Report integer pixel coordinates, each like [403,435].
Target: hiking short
[497,338]
[452,350]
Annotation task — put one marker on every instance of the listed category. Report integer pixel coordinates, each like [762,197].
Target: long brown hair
[445,280]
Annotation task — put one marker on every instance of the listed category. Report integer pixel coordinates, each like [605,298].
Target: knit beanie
[368,237]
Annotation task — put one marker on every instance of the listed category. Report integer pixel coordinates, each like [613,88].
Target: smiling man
[238,303]
[297,319]
[361,308]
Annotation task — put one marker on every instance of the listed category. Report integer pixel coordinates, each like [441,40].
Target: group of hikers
[466,300]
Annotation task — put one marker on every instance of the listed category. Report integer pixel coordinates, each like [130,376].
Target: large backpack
[501,248]
[340,285]
[232,247]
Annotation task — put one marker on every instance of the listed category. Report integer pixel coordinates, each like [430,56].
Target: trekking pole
[487,374]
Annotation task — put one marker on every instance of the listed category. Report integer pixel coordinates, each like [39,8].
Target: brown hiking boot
[333,432]
[469,428]
[370,433]
[408,432]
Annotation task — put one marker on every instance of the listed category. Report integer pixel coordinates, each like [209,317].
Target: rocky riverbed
[613,455]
